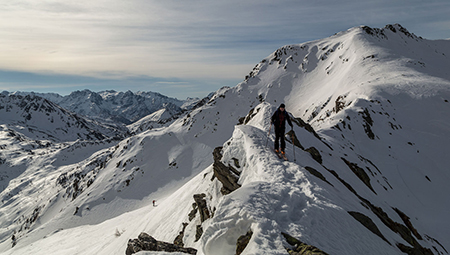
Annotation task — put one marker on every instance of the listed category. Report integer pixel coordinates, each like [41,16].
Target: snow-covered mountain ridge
[41,119]
[370,175]
[119,107]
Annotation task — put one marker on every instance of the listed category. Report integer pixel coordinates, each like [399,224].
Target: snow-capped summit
[367,170]
[115,107]
[41,119]
[125,107]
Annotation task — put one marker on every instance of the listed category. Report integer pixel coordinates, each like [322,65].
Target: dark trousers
[279,136]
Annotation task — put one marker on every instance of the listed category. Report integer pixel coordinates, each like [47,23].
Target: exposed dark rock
[202,206]
[251,114]
[261,98]
[414,250]
[368,123]
[13,240]
[339,103]
[147,243]
[429,238]
[294,139]
[398,228]
[362,175]
[242,242]
[179,239]
[368,161]
[198,233]
[300,248]
[348,186]
[315,154]
[401,29]
[193,212]
[374,31]
[408,223]
[368,223]
[306,126]
[317,174]
[227,175]
[236,162]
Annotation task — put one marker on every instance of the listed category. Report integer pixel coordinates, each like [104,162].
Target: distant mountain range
[41,119]
[115,107]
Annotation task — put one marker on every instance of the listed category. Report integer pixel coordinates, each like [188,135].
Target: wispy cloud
[206,41]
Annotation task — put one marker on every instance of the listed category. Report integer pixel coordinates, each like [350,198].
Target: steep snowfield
[372,178]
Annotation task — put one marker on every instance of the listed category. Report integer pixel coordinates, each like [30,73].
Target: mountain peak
[395,28]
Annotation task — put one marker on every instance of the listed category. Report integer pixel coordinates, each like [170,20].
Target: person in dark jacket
[279,119]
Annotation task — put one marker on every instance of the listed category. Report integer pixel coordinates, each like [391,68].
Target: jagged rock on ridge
[179,239]
[145,242]
[228,176]
[202,207]
[300,248]
[358,171]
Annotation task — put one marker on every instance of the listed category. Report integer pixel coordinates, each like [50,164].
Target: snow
[114,107]
[379,101]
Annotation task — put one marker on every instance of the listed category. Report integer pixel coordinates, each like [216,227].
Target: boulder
[146,242]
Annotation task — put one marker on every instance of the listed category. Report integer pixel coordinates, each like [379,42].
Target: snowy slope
[115,107]
[370,173]
[40,119]
[160,118]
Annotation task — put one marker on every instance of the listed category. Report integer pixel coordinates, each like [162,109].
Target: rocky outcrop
[408,223]
[294,139]
[179,239]
[300,248]
[198,232]
[250,115]
[243,241]
[368,123]
[368,223]
[358,171]
[202,206]
[147,243]
[317,174]
[414,250]
[406,232]
[306,126]
[227,175]
[403,231]
[315,154]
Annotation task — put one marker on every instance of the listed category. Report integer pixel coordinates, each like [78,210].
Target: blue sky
[177,48]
